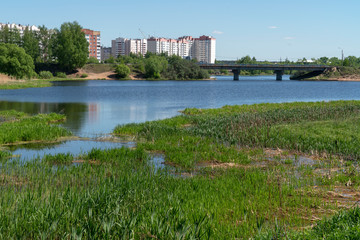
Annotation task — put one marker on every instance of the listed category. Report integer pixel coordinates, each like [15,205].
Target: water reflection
[74,111]
[95,107]
[29,151]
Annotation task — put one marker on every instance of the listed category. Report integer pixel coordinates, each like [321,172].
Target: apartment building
[118,47]
[136,46]
[105,53]
[204,49]
[124,46]
[93,38]
[19,27]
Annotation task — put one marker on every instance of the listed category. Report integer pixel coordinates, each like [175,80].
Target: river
[93,108]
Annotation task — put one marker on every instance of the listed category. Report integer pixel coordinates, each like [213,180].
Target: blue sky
[268,30]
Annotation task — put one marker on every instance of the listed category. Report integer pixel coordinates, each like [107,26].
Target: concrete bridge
[277,68]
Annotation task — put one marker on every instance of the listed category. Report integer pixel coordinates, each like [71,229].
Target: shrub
[122,70]
[92,60]
[45,75]
[84,75]
[61,75]
[14,61]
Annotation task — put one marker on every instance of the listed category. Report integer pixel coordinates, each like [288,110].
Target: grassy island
[17,127]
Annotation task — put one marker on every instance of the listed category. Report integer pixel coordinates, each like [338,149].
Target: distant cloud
[289,38]
[217,32]
[273,27]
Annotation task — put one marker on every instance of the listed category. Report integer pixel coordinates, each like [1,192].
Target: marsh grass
[124,197]
[19,127]
[274,192]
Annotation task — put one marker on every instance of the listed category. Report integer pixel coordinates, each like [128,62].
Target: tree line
[67,47]
[152,66]
[347,62]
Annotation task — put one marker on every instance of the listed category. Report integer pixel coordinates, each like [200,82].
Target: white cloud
[273,27]
[217,32]
[289,38]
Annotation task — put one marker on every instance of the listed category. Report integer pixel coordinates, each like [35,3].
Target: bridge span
[277,68]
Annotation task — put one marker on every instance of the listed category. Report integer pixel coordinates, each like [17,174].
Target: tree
[155,65]
[92,60]
[30,43]
[10,35]
[122,70]
[70,46]
[111,59]
[45,37]
[246,60]
[14,61]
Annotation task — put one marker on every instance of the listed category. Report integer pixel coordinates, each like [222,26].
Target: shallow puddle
[29,151]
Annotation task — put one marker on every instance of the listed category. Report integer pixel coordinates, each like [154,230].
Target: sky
[266,29]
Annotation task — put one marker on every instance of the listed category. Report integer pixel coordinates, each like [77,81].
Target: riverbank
[338,74]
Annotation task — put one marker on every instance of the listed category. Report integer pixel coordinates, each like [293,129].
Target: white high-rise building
[136,46]
[124,46]
[19,27]
[203,48]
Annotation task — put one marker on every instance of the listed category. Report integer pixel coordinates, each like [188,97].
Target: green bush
[14,61]
[45,75]
[122,71]
[92,60]
[61,75]
[84,75]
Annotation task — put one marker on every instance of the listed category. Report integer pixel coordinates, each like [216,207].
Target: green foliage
[154,66]
[122,71]
[84,75]
[10,36]
[30,43]
[19,127]
[15,62]
[181,69]
[246,60]
[70,46]
[92,60]
[61,75]
[110,60]
[45,75]
[45,38]
[60,158]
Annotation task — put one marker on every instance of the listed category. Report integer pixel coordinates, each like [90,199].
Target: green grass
[26,84]
[116,193]
[18,127]
[237,135]
[324,127]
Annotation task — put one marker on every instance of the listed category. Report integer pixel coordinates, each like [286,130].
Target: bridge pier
[236,74]
[279,74]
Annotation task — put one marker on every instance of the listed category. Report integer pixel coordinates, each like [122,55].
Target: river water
[93,108]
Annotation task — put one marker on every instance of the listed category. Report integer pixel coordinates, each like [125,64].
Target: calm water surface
[95,107]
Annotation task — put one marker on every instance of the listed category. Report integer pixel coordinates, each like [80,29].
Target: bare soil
[5,79]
